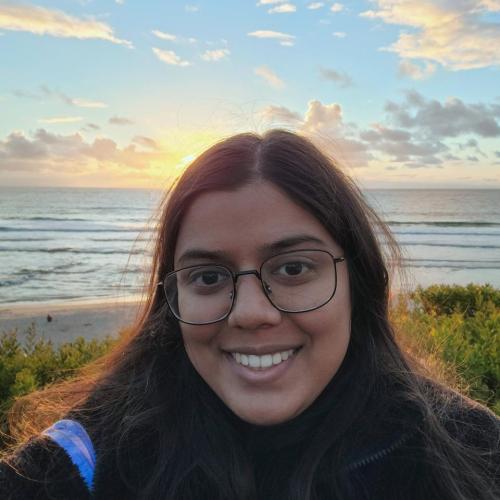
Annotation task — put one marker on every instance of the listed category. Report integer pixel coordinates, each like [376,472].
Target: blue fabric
[73,438]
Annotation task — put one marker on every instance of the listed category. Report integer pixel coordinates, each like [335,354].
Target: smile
[264,361]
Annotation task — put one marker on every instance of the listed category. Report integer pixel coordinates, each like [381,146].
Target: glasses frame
[258,274]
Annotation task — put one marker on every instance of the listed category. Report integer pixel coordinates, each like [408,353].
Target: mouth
[264,361]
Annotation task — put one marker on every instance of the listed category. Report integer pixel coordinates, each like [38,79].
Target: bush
[457,330]
[28,363]
[466,300]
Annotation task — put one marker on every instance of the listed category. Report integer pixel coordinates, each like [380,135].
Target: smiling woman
[302,282]
[264,365]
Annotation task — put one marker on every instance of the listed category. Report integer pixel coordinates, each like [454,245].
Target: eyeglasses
[294,282]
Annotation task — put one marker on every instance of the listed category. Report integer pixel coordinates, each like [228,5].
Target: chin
[265,417]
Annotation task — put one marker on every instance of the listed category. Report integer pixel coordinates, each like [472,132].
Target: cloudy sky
[126,92]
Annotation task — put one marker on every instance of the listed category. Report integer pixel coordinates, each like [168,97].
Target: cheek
[198,342]
[329,332]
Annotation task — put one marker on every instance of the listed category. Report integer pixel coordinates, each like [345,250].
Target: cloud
[416,133]
[283,38]
[456,34]
[342,79]
[85,103]
[269,2]
[451,118]
[215,55]
[46,92]
[402,146]
[43,21]
[270,77]
[324,124]
[164,36]
[120,120]
[337,7]
[146,142]
[170,57]
[414,71]
[19,147]
[279,114]
[315,5]
[284,8]
[25,94]
[47,152]
[339,34]
[91,127]
[169,37]
[320,116]
[61,119]
[471,144]
[191,8]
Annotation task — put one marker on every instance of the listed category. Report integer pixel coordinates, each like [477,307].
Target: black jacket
[393,466]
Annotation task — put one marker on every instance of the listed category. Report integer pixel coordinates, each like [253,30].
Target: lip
[261,350]
[261,376]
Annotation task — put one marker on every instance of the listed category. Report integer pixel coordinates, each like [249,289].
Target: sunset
[126,94]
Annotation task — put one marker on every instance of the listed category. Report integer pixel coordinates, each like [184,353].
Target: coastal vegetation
[453,332]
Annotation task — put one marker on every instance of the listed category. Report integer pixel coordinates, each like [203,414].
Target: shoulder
[467,422]
[40,469]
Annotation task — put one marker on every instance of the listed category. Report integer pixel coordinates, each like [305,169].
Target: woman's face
[239,229]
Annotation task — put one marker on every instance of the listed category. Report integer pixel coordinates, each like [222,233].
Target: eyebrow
[269,249]
[290,241]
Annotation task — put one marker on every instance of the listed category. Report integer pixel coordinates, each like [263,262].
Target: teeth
[264,361]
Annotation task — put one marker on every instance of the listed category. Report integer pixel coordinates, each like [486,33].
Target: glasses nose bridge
[255,272]
[258,275]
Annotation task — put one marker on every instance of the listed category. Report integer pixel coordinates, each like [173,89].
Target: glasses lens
[300,281]
[200,294]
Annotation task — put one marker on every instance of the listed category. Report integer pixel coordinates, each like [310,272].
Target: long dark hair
[147,400]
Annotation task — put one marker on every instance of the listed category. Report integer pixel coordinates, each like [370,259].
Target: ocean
[74,244]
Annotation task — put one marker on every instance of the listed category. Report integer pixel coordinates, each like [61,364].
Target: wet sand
[69,320]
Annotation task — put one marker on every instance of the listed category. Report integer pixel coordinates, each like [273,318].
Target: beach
[66,321]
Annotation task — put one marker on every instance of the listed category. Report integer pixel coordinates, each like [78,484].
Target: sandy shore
[69,320]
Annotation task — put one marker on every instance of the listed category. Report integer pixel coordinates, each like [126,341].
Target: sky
[125,93]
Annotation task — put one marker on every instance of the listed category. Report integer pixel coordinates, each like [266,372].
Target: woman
[264,365]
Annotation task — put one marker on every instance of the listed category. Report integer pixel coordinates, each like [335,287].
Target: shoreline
[65,321]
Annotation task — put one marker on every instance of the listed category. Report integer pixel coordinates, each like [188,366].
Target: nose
[252,309]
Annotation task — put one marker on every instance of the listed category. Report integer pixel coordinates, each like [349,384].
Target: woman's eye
[292,269]
[207,278]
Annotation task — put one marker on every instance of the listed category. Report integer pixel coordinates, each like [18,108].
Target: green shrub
[467,300]
[460,326]
[28,362]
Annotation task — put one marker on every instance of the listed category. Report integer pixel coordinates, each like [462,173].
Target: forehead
[242,221]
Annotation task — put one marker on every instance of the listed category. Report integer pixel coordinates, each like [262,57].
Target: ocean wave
[444,245]
[26,274]
[14,282]
[445,233]
[452,264]
[73,251]
[38,218]
[122,240]
[443,223]
[15,240]
[44,270]
[74,230]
